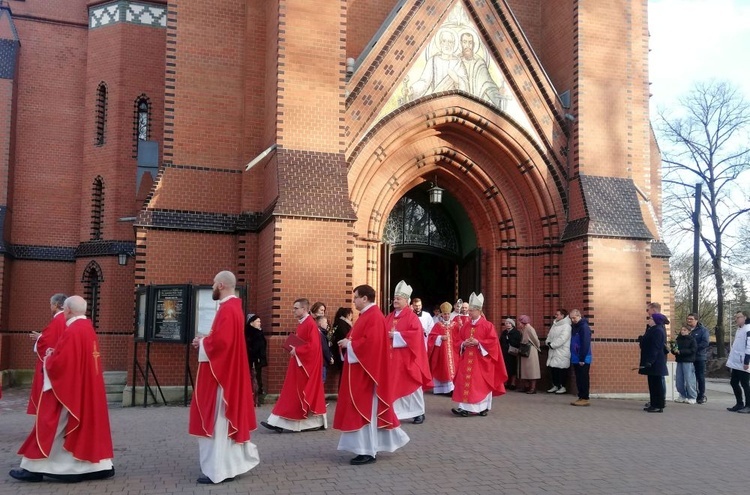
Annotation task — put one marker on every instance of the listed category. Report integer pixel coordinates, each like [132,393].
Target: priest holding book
[301,405]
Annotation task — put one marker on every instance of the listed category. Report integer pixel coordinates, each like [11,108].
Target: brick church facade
[127,128]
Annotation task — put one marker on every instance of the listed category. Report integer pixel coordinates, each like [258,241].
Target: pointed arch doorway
[432,247]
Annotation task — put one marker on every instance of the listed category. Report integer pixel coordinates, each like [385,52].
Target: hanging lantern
[436,193]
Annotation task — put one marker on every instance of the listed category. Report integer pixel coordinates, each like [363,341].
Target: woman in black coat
[342,324]
[256,349]
[654,360]
[510,337]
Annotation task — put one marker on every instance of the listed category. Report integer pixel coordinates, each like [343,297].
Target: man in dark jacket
[580,356]
[700,334]
[654,361]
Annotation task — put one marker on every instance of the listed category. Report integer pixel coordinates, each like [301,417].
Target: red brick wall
[311,91]
[363,19]
[612,89]
[556,46]
[51,96]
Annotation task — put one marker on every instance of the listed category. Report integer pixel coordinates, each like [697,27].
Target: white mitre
[403,290]
[476,301]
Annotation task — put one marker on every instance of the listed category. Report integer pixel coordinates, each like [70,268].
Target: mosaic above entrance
[456,58]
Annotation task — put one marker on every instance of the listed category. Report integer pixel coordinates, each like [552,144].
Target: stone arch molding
[495,168]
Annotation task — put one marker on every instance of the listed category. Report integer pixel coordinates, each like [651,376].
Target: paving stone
[527,445]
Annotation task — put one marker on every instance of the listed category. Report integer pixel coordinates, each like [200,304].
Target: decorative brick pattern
[125,11]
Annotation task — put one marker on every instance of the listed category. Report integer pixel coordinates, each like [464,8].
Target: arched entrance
[431,246]
[508,187]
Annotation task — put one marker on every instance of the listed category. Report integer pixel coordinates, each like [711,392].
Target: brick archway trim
[399,154]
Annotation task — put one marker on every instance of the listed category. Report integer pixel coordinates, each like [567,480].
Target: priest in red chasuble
[47,339]
[71,440]
[408,357]
[364,412]
[442,350]
[301,405]
[222,412]
[481,368]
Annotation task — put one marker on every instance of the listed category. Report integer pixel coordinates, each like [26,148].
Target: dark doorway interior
[433,277]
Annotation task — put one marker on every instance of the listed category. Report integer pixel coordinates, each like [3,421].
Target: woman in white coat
[739,362]
[558,358]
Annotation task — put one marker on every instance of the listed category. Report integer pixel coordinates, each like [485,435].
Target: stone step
[114,384]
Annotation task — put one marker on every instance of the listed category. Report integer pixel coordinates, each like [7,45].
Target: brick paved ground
[528,444]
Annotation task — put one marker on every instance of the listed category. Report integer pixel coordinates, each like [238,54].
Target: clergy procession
[387,364]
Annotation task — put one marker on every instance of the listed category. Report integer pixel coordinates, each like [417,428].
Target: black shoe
[484,413]
[702,400]
[511,387]
[419,419]
[734,408]
[98,475]
[460,412]
[23,475]
[654,410]
[362,459]
[277,429]
[205,480]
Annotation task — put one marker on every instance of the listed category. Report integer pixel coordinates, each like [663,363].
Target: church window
[92,279]
[141,122]
[97,208]
[101,113]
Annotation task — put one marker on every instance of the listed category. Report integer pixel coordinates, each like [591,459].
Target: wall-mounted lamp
[436,193]
[122,258]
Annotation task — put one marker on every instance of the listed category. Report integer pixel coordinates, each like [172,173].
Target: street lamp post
[696,218]
[696,244]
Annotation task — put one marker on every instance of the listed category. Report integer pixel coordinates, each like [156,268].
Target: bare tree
[681,269]
[706,142]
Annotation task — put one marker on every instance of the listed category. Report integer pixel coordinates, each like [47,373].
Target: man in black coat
[654,361]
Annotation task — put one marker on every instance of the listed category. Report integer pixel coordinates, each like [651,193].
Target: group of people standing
[690,349]
[568,343]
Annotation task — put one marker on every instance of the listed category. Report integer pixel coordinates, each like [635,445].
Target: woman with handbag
[529,352]
[510,341]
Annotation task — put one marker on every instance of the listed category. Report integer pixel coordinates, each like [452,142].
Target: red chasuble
[410,365]
[75,371]
[227,367]
[369,339]
[302,394]
[444,359]
[462,320]
[479,375]
[47,340]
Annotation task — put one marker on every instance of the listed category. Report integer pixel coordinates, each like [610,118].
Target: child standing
[685,349]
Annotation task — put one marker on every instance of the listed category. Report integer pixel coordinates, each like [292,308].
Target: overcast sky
[693,40]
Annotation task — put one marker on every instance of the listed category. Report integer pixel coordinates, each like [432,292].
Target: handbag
[512,350]
[525,349]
